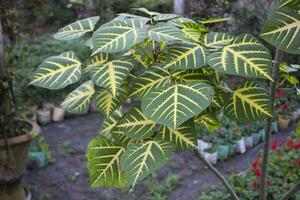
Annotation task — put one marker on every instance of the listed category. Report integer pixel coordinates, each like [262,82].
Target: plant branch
[268,132]
[291,192]
[218,175]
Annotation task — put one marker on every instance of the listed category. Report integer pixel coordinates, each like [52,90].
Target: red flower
[290,144]
[297,145]
[280,93]
[285,106]
[286,188]
[255,164]
[257,173]
[270,182]
[297,163]
[254,186]
[274,145]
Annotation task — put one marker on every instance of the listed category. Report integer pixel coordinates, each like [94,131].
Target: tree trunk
[268,133]
[179,6]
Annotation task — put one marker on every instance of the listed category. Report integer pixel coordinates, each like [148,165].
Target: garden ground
[67,177]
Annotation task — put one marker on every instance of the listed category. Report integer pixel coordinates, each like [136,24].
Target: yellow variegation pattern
[185,56]
[215,40]
[184,137]
[136,125]
[96,61]
[166,33]
[246,56]
[209,121]
[104,163]
[151,79]
[110,122]
[117,36]
[139,160]
[106,103]
[76,29]
[249,103]
[112,74]
[172,105]
[79,100]
[58,71]
[283,29]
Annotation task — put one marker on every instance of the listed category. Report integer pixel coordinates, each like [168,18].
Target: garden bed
[67,177]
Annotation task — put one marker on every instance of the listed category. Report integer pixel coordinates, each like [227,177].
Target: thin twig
[291,192]
[218,175]
[268,133]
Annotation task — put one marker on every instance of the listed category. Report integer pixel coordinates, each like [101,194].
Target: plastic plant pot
[248,141]
[223,151]
[203,145]
[240,146]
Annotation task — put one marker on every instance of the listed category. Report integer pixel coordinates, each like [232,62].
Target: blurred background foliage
[29,25]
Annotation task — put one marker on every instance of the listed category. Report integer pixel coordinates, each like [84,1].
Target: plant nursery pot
[44,117]
[211,157]
[58,114]
[248,141]
[223,151]
[13,162]
[255,138]
[283,122]
[203,145]
[239,146]
[274,127]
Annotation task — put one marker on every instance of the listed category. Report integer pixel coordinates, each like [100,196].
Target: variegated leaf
[96,61]
[184,56]
[282,29]
[135,125]
[104,163]
[79,100]
[217,40]
[164,17]
[58,72]
[146,11]
[246,56]
[190,76]
[208,121]
[166,33]
[140,160]
[106,103]
[117,36]
[172,105]
[112,74]
[154,77]
[249,103]
[193,31]
[76,29]
[184,137]
[110,122]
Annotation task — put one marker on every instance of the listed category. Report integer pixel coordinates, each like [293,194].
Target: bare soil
[67,177]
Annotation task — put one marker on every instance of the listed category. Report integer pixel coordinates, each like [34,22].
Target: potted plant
[239,141]
[58,114]
[174,76]
[211,154]
[223,150]
[204,140]
[283,114]
[247,134]
[15,134]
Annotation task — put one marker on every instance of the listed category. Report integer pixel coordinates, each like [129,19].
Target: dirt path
[67,178]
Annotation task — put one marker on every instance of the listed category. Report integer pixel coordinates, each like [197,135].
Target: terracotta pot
[12,164]
[283,122]
[58,114]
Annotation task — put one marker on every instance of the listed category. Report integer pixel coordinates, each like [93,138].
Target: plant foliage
[177,71]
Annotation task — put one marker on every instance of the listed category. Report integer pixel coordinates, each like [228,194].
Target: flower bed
[284,172]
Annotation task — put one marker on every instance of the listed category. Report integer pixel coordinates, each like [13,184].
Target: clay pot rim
[35,129]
